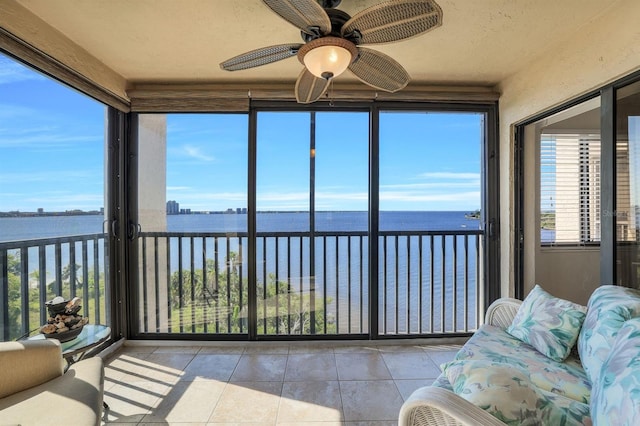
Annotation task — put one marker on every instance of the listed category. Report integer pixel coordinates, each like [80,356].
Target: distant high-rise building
[173,207]
[244,210]
[238,210]
[40,210]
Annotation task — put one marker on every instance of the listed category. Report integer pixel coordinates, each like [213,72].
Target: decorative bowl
[65,336]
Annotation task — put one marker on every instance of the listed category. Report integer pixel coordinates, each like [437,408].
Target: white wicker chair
[436,406]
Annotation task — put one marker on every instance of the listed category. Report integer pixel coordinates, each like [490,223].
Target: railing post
[4,295]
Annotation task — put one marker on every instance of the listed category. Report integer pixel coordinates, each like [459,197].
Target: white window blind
[569,189]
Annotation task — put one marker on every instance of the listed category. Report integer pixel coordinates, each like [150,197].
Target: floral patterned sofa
[543,361]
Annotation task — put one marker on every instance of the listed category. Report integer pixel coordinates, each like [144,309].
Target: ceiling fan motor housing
[337,18]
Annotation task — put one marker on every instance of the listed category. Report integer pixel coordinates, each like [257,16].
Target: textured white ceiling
[480,42]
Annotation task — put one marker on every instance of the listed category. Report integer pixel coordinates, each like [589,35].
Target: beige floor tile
[310,401]
[123,365]
[186,350]
[364,349]
[406,387]
[359,366]
[171,424]
[123,421]
[310,349]
[163,367]
[370,400]
[187,402]
[311,367]
[211,367]
[267,349]
[440,357]
[171,387]
[442,348]
[221,350]
[254,368]
[411,365]
[248,402]
[132,401]
[399,348]
[138,349]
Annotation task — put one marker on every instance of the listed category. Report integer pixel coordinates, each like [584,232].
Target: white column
[152,200]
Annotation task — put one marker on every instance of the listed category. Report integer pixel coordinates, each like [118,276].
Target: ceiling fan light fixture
[327,57]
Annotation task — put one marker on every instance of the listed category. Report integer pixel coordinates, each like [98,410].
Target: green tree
[220,302]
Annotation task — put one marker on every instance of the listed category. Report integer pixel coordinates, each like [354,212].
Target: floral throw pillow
[549,324]
[616,399]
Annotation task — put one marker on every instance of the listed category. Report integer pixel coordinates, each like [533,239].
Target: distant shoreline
[18,214]
[45,214]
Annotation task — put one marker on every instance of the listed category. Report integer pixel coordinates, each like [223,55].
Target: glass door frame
[125,297]
[608,188]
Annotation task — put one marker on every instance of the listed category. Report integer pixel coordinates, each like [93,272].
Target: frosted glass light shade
[327,61]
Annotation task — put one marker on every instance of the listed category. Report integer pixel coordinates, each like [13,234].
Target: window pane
[341,208]
[430,227]
[569,188]
[342,171]
[569,170]
[52,186]
[193,213]
[284,278]
[283,171]
[627,215]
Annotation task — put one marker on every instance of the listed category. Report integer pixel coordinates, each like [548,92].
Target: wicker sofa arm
[501,312]
[437,406]
[27,363]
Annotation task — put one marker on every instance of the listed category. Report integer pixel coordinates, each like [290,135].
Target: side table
[91,336]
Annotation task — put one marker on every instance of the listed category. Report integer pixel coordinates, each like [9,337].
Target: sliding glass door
[353,222]
[431,237]
[311,222]
[192,216]
[627,215]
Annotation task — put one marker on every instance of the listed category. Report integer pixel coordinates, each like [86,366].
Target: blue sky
[54,140]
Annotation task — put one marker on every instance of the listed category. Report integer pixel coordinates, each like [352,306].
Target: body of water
[406,274]
[28,228]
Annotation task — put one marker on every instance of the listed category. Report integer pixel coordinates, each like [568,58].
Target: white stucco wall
[606,49]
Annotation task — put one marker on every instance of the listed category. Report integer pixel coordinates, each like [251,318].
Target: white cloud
[421,197]
[178,188]
[13,72]
[432,185]
[450,175]
[43,137]
[50,176]
[195,152]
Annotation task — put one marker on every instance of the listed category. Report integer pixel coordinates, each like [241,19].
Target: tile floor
[266,384]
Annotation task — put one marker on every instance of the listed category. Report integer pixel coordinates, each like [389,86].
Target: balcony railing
[429,283]
[34,271]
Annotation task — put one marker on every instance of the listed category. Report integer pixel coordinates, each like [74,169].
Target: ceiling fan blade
[309,88]
[394,20]
[304,14]
[379,70]
[263,56]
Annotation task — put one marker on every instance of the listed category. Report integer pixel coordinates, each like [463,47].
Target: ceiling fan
[333,39]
